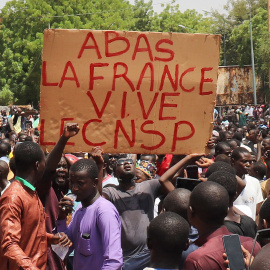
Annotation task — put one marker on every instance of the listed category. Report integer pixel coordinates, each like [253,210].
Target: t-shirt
[135,208]
[251,194]
[209,255]
[246,227]
[103,249]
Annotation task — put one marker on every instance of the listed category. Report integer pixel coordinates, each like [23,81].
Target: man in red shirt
[208,207]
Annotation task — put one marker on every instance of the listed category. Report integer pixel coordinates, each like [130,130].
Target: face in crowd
[243,163]
[125,169]
[61,174]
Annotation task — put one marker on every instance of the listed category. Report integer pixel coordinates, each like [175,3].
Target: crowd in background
[133,211]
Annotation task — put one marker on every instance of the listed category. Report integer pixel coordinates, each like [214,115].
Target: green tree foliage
[23,23]
[236,26]
[21,36]
[171,19]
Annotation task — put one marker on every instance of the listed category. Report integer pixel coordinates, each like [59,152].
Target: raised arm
[96,154]
[70,130]
[165,179]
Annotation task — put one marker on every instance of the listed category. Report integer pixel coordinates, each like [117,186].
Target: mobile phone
[187,183]
[192,171]
[234,252]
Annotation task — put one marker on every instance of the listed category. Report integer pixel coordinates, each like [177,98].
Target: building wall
[234,86]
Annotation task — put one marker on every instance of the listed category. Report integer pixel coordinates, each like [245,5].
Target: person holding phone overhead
[208,207]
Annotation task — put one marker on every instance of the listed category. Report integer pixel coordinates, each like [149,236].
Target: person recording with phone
[207,210]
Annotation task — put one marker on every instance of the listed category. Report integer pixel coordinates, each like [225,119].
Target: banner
[130,92]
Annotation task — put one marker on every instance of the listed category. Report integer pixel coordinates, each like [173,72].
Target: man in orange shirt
[23,236]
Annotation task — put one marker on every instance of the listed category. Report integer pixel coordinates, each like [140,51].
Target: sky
[199,5]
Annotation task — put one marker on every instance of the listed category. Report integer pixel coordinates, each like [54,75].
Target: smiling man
[95,226]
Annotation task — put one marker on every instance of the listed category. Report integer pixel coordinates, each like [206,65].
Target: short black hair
[220,166]
[260,169]
[222,135]
[27,154]
[238,136]
[265,210]
[4,149]
[12,165]
[210,201]
[87,165]
[227,180]
[28,139]
[237,152]
[169,233]
[230,142]
[106,159]
[262,259]
[219,149]
[223,158]
[177,201]
[152,157]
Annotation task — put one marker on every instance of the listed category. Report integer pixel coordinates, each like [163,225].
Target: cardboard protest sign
[135,92]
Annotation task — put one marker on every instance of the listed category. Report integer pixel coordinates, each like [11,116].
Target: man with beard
[134,202]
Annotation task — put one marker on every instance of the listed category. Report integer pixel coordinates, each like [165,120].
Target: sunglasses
[123,161]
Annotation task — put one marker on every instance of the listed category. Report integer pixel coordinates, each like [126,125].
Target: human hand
[65,207]
[96,154]
[204,162]
[70,130]
[61,239]
[30,131]
[195,156]
[211,143]
[247,259]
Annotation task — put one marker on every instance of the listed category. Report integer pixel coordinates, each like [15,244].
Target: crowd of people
[135,211]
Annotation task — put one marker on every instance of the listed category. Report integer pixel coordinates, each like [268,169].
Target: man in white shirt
[251,195]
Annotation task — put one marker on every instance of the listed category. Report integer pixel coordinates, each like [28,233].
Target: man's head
[219,166]
[258,170]
[265,145]
[208,205]
[252,135]
[29,157]
[61,174]
[168,234]
[125,169]
[241,161]
[83,179]
[262,259]
[225,136]
[3,170]
[227,180]
[264,215]
[223,148]
[233,143]
[113,161]
[22,137]
[177,201]
[4,147]
[148,157]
